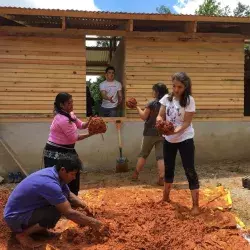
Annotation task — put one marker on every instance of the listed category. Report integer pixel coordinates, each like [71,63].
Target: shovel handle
[118,126]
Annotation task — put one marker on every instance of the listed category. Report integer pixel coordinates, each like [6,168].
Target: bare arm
[83,136]
[143,113]
[86,124]
[187,121]
[162,114]
[75,201]
[77,217]
[105,97]
[119,97]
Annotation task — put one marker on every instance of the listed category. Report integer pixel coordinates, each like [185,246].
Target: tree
[242,10]
[94,88]
[163,10]
[212,8]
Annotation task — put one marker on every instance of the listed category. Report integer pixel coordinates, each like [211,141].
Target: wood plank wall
[33,70]
[215,65]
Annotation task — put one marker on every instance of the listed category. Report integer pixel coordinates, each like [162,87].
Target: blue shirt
[40,189]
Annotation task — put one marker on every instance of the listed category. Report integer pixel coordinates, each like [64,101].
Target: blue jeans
[108,112]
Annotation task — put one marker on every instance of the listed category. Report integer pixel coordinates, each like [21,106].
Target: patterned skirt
[52,153]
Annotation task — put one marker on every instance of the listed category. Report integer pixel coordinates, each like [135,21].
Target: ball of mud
[131,103]
[97,126]
[164,127]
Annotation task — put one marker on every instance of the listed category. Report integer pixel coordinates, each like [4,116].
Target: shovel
[121,162]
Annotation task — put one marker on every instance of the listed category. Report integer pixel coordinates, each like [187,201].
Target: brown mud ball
[97,126]
[131,103]
[164,127]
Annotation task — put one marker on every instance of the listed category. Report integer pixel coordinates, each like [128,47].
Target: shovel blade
[121,165]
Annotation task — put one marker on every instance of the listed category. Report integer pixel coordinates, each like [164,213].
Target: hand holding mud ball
[63,136]
[151,136]
[175,122]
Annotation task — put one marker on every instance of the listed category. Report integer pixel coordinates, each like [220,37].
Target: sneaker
[246,182]
[18,177]
[11,177]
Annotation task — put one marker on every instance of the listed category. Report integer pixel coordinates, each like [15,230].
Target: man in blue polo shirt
[38,202]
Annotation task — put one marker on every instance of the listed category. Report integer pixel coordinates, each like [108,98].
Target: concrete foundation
[214,141]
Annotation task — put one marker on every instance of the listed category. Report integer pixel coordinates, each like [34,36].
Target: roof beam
[96,64]
[121,16]
[58,32]
[80,33]
[97,73]
[130,25]
[11,18]
[100,39]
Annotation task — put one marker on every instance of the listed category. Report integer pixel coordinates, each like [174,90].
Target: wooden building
[43,52]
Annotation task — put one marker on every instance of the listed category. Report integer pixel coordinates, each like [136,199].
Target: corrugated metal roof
[97,55]
[112,12]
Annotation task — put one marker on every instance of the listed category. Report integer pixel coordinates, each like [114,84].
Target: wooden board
[34,70]
[215,66]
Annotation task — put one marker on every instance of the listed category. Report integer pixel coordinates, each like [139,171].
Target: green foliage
[94,88]
[242,10]
[163,10]
[212,8]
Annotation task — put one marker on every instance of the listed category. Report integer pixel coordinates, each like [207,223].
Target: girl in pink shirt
[63,136]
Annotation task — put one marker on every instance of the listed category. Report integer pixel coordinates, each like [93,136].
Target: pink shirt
[63,131]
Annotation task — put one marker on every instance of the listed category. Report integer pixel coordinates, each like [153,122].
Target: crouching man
[38,202]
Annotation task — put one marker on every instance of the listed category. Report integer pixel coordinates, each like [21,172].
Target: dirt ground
[227,173]
[137,221]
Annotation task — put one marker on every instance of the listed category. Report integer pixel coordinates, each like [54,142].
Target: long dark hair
[61,98]
[160,89]
[186,81]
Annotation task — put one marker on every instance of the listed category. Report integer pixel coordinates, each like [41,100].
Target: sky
[176,6]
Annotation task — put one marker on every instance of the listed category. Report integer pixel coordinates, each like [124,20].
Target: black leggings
[186,149]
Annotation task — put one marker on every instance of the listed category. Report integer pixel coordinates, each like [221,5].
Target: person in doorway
[111,91]
[63,136]
[38,202]
[151,137]
[179,108]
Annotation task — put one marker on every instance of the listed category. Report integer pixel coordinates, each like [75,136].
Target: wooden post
[114,43]
[130,25]
[191,27]
[110,50]
[63,23]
